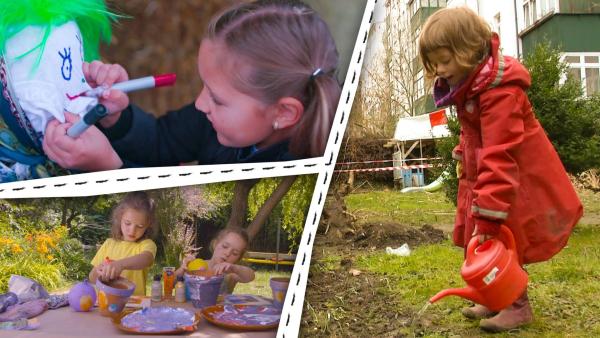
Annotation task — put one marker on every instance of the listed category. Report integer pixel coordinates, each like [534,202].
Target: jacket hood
[496,70]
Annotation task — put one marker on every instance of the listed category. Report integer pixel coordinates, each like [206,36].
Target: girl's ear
[289,111]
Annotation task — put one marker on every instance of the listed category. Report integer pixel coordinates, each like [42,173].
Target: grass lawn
[415,208]
[562,291]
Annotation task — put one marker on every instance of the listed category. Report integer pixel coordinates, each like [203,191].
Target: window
[585,67]
[414,7]
[546,6]
[496,26]
[591,80]
[416,34]
[529,12]
[419,84]
[526,14]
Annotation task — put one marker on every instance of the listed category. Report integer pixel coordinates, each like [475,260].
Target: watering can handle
[505,235]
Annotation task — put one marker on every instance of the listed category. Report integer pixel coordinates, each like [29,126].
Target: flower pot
[279,286]
[113,295]
[203,290]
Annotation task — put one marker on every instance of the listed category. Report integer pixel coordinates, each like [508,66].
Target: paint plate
[243,317]
[158,320]
[247,299]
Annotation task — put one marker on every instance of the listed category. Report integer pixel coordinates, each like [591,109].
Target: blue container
[203,291]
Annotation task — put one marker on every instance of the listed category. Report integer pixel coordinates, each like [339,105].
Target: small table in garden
[65,322]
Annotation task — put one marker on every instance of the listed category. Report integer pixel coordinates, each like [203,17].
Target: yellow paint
[102,301]
[85,303]
[197,264]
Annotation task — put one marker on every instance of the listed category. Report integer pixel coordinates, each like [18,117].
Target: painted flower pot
[279,286]
[203,290]
[113,296]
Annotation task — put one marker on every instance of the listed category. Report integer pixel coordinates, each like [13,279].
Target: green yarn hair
[92,17]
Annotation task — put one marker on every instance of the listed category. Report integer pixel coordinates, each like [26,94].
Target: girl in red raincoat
[511,174]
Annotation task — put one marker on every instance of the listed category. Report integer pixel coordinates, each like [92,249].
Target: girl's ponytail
[311,134]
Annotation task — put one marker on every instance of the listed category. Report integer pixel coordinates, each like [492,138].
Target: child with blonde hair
[270,93]
[130,251]
[228,248]
[510,173]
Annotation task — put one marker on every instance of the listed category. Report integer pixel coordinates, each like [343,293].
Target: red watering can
[492,272]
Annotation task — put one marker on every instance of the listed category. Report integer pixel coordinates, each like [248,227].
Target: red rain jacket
[511,172]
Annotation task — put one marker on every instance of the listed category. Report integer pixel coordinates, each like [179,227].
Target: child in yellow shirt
[130,251]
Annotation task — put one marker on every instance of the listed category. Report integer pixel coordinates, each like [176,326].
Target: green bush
[48,257]
[571,121]
[444,149]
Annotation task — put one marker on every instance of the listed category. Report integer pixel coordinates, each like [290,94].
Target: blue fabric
[14,126]
[180,136]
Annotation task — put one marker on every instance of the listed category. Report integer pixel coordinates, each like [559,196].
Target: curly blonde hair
[139,201]
[464,33]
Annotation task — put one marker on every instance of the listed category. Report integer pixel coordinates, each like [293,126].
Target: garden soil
[364,311]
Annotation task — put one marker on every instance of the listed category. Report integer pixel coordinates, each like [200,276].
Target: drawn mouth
[71,98]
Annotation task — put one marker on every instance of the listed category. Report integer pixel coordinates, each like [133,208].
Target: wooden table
[65,322]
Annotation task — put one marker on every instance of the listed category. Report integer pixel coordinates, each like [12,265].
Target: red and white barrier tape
[420,166]
[384,161]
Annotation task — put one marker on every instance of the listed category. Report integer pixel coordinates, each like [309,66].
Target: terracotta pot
[279,286]
[113,296]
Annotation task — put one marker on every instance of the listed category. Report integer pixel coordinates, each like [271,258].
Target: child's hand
[111,270]
[100,74]
[222,268]
[186,260]
[459,169]
[90,151]
[482,237]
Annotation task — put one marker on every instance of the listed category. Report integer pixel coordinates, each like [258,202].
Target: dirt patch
[344,302]
[339,228]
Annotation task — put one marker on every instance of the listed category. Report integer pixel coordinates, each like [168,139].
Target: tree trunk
[239,205]
[266,209]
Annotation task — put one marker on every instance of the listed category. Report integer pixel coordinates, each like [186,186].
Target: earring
[275,125]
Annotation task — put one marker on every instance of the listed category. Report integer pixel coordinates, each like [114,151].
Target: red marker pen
[136,84]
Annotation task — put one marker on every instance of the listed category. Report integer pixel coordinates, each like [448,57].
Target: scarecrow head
[43,44]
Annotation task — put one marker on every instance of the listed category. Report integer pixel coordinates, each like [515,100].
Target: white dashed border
[291,316]
[164,177]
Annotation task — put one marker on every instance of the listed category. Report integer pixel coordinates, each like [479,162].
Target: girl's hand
[112,271]
[91,151]
[186,260]
[222,268]
[99,74]
[482,238]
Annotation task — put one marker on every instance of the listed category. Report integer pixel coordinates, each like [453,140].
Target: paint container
[168,281]
[113,295]
[203,290]
[279,286]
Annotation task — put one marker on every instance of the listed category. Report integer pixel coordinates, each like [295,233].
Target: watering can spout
[466,292]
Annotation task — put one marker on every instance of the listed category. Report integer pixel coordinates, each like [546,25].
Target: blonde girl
[228,247]
[130,251]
